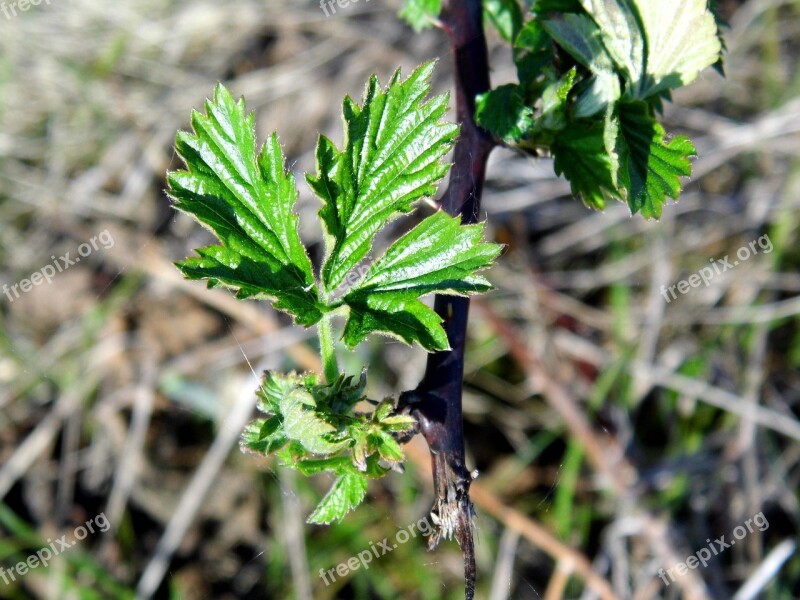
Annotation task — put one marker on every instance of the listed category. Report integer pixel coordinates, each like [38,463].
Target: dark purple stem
[436,403]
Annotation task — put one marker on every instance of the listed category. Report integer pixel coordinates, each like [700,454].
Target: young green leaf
[580,37]
[584,154]
[389,449]
[274,386]
[650,166]
[503,113]
[311,466]
[247,200]
[438,255]
[544,7]
[421,14]
[554,102]
[533,53]
[655,45]
[347,492]
[505,15]
[264,436]
[681,40]
[302,424]
[391,158]
[291,400]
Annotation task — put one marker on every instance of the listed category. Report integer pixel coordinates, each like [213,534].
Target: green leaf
[503,113]
[620,34]
[247,200]
[347,492]
[544,7]
[343,394]
[505,15]
[264,436]
[554,102]
[383,411]
[656,45]
[682,39]
[301,423]
[389,449]
[391,158]
[533,52]
[650,167]
[399,423]
[599,94]
[439,255]
[584,154]
[311,466]
[421,14]
[581,38]
[274,386]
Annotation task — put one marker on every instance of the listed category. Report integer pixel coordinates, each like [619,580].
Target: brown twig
[436,403]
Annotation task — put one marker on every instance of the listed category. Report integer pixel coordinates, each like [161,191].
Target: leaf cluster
[313,427]
[391,157]
[394,143]
[592,76]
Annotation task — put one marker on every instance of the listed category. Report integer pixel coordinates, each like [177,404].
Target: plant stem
[436,403]
[329,365]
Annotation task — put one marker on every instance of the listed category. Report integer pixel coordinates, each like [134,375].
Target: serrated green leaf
[246,199]
[274,386]
[389,449]
[394,315]
[343,394]
[682,39]
[584,154]
[420,14]
[438,255]
[503,113]
[533,52]
[554,102]
[383,410]
[620,34]
[505,15]
[264,436]
[544,7]
[398,423]
[391,158]
[656,45]
[580,37]
[347,492]
[311,466]
[650,167]
[301,423]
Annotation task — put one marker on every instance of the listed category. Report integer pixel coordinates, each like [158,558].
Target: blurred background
[619,428]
